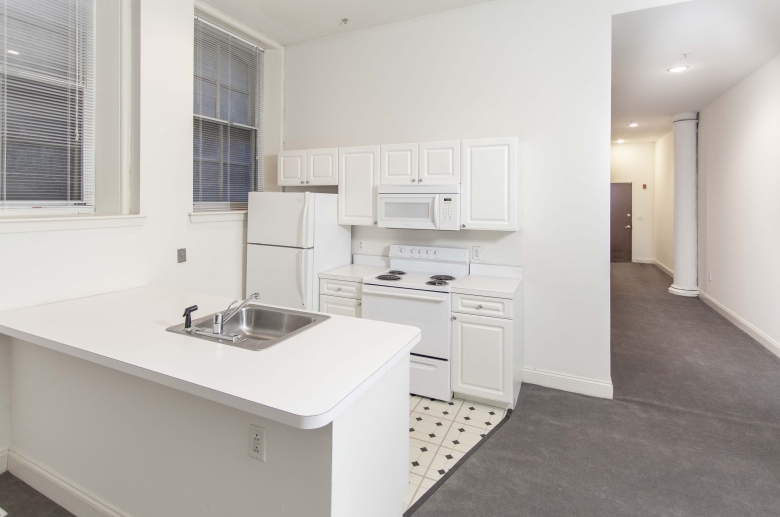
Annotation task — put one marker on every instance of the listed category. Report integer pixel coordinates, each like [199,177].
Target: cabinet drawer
[340,288]
[482,305]
[341,306]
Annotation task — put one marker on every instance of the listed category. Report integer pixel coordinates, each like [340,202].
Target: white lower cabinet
[341,306]
[482,356]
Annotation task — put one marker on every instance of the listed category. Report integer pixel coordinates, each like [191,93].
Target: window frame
[257,173]
[88,202]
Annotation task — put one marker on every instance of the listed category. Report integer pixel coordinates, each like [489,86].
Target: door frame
[632,211]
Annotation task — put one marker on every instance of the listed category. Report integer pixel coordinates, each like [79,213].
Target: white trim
[83,222]
[663,267]
[218,217]
[62,491]
[570,383]
[215,16]
[771,345]
[3,461]
[643,260]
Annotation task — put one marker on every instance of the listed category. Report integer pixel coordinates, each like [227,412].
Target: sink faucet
[220,318]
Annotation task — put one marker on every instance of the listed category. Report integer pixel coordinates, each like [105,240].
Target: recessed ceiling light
[621,141]
[678,69]
[633,124]
[15,53]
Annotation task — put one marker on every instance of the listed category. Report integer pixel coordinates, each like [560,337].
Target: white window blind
[47,99]
[227,150]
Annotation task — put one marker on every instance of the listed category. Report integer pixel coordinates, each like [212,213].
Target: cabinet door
[489,192]
[358,179]
[482,357]
[399,164]
[439,163]
[340,306]
[322,166]
[292,168]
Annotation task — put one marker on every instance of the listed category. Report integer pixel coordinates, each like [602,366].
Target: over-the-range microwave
[430,207]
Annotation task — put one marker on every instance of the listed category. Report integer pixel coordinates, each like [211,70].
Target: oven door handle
[405,296]
[436,211]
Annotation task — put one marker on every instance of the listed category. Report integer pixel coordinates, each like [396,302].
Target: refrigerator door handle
[305,221]
[303,278]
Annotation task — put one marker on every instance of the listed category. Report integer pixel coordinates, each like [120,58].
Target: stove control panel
[430,253]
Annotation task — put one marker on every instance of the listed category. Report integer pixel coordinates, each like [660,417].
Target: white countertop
[304,381]
[483,285]
[353,272]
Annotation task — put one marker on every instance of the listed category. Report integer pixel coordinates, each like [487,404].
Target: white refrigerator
[291,238]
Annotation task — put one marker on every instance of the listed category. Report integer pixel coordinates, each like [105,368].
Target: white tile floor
[440,434]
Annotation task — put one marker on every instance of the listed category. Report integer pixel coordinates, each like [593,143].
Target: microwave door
[413,211]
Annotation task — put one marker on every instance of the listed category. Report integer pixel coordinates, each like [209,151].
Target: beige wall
[739,185]
[536,69]
[635,163]
[664,202]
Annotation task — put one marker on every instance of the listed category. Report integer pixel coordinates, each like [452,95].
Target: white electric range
[416,291]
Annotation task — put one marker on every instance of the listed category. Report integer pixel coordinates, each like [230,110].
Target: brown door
[621,222]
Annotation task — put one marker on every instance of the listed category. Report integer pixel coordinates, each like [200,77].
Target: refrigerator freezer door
[281,219]
[282,276]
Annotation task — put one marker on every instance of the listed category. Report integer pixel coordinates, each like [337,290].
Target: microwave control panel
[449,211]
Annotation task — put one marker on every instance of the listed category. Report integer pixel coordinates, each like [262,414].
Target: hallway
[694,429]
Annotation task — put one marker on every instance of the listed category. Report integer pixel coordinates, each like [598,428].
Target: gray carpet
[20,500]
[694,429]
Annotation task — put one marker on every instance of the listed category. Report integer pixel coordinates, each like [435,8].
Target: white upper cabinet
[292,168]
[399,164]
[489,188]
[358,179]
[322,166]
[439,163]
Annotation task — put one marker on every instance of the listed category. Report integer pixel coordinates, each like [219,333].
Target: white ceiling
[294,21]
[727,41]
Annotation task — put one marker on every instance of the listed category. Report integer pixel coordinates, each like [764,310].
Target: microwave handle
[436,210]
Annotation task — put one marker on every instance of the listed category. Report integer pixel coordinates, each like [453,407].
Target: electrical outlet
[360,245]
[476,253]
[181,254]
[257,442]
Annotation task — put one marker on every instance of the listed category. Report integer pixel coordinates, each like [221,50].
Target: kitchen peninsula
[137,421]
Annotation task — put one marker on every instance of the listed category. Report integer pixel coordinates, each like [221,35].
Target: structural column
[685,205]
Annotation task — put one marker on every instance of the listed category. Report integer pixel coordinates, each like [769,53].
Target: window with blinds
[47,99]
[227,150]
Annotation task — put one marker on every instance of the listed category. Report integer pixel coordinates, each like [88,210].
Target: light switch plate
[181,255]
[257,442]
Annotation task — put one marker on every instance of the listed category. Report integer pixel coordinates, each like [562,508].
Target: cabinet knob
[302,182]
[479,307]
[462,225]
[359,304]
[308,182]
[454,317]
[419,181]
[338,289]
[412,180]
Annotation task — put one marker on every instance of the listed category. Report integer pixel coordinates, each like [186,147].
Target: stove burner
[442,277]
[436,282]
[396,272]
[388,277]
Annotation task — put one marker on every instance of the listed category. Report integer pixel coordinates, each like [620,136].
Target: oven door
[429,311]
[415,211]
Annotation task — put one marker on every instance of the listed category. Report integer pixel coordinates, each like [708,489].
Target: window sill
[71,222]
[218,217]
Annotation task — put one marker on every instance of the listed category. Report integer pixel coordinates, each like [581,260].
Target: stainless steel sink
[255,327]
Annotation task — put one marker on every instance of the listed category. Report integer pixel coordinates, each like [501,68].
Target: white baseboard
[3,461]
[771,345]
[643,260]
[559,381]
[663,267]
[65,493]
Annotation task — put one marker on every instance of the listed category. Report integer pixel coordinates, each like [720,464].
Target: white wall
[739,174]
[664,202]
[537,69]
[636,163]
[5,398]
